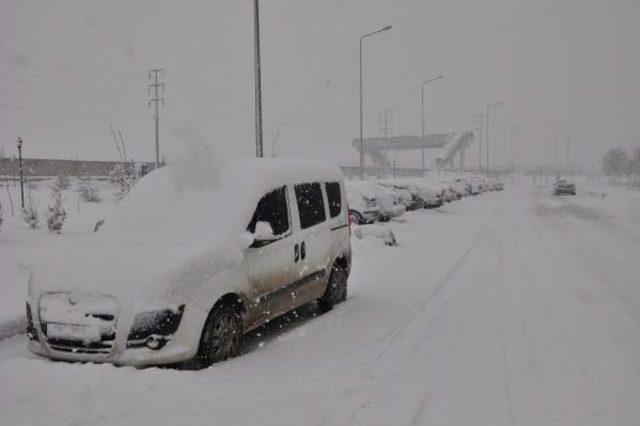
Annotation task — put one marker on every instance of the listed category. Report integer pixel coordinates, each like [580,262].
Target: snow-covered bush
[55,212]
[377,231]
[88,191]
[30,211]
[62,182]
[123,175]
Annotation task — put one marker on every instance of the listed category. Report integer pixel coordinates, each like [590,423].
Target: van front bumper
[123,348]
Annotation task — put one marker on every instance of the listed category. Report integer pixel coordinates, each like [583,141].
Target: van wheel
[356,218]
[221,336]
[336,291]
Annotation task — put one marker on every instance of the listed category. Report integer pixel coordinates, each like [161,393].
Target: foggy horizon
[68,70]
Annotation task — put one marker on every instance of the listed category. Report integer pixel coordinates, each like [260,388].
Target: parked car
[477,185]
[390,205]
[188,264]
[363,207]
[497,185]
[408,194]
[564,187]
[426,195]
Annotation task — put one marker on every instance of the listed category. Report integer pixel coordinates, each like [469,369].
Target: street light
[257,79]
[362,37]
[425,82]
[493,105]
[20,168]
[513,128]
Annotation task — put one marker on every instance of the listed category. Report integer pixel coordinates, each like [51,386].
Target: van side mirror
[264,232]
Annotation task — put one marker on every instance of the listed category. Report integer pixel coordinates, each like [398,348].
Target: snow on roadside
[21,247]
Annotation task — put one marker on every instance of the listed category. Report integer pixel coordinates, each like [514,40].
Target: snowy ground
[512,308]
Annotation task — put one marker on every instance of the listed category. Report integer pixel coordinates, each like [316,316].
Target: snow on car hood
[177,226]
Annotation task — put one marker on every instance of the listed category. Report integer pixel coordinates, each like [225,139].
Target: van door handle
[303,251]
[296,253]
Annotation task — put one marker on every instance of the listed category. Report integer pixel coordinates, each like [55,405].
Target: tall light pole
[513,128]
[20,169]
[480,130]
[258,79]
[493,105]
[422,84]
[362,37]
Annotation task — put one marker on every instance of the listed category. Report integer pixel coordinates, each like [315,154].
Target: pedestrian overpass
[444,147]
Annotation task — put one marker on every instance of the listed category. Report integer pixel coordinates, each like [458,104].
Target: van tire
[356,217]
[336,290]
[221,335]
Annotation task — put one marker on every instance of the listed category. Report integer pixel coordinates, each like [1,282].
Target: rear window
[272,208]
[310,204]
[334,197]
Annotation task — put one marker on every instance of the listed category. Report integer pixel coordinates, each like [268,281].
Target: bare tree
[615,164]
[124,173]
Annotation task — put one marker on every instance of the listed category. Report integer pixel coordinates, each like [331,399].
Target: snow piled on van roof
[215,198]
[182,222]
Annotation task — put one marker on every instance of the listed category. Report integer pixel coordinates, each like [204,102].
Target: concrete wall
[33,167]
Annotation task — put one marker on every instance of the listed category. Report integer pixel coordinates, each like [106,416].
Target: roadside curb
[10,328]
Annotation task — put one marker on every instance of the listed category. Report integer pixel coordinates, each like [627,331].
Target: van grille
[97,313]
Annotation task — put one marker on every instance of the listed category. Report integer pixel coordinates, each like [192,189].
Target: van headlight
[150,328]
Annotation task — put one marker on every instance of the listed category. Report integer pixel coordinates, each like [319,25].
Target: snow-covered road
[508,308]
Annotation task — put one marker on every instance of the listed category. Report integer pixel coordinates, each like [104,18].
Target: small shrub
[62,182]
[88,191]
[30,211]
[55,212]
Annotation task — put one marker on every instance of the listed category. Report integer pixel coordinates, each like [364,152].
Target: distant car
[476,185]
[564,187]
[361,197]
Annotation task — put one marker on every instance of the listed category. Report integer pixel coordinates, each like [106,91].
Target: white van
[186,265]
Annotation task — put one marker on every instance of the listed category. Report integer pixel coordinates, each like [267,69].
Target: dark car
[564,187]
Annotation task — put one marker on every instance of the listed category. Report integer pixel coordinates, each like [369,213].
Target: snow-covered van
[189,261]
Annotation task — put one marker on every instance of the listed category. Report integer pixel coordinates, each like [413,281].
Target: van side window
[310,204]
[334,197]
[272,208]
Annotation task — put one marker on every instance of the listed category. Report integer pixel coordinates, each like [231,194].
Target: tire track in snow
[503,339]
[354,409]
[525,263]
[589,243]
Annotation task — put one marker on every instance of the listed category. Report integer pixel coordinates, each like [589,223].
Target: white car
[390,204]
[407,193]
[363,207]
[186,266]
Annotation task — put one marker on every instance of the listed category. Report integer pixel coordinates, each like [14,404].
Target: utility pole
[362,37]
[568,151]
[385,122]
[480,129]
[513,129]
[385,126]
[20,168]
[157,88]
[493,105]
[422,84]
[258,79]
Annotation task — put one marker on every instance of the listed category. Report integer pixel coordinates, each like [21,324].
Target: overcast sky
[70,68]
